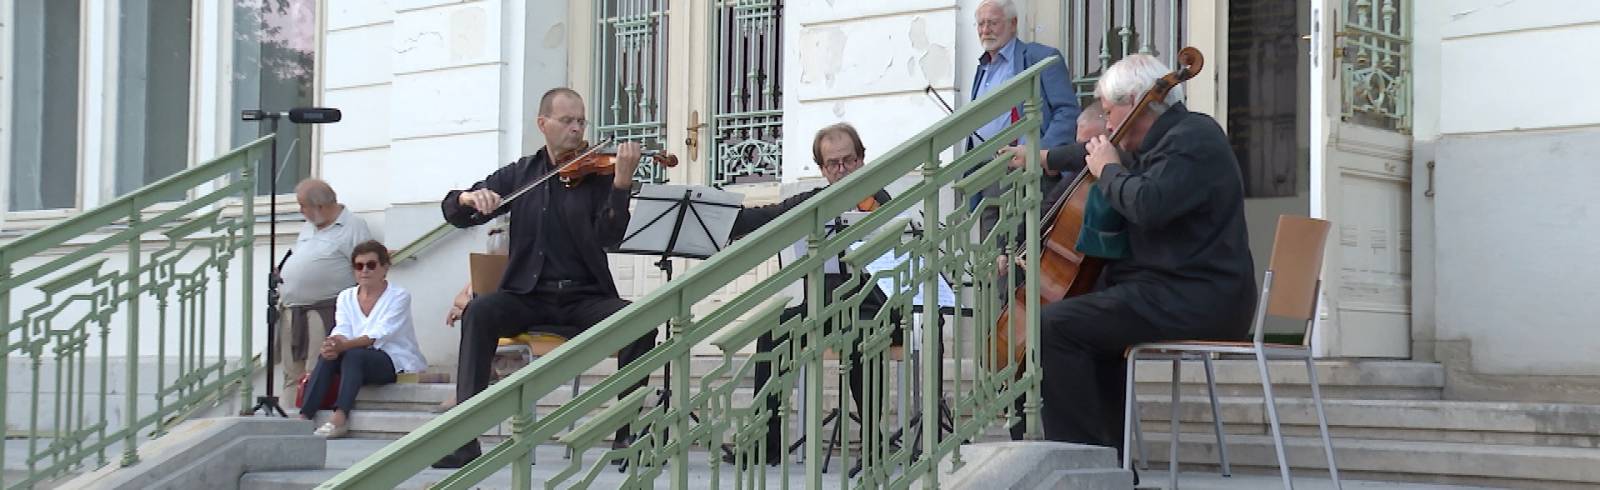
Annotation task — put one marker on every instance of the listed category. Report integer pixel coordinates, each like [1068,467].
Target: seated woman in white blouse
[371,341]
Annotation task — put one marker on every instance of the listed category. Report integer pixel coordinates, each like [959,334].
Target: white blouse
[389,326]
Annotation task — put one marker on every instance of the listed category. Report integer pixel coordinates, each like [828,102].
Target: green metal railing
[64,304]
[670,442]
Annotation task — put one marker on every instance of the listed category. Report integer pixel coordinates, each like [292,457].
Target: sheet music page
[706,225]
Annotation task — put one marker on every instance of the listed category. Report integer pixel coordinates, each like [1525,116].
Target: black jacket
[596,216]
[1183,197]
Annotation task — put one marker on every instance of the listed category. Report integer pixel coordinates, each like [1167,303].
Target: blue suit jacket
[1060,100]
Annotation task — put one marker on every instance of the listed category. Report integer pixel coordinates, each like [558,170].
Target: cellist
[1187,274]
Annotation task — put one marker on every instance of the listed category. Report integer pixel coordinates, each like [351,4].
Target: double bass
[1063,270]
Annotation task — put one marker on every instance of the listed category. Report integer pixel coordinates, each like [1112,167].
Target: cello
[1063,270]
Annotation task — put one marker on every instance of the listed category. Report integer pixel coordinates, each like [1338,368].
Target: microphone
[314,115]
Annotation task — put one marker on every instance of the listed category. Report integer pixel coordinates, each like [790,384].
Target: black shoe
[773,458]
[463,455]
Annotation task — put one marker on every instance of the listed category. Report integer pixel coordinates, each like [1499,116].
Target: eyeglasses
[841,163]
[991,23]
[370,265]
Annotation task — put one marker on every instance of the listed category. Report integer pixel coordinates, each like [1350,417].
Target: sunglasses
[370,265]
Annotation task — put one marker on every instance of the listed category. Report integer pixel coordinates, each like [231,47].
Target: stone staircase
[1387,420]
[1387,417]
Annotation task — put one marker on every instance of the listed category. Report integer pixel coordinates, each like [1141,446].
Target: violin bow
[524,189]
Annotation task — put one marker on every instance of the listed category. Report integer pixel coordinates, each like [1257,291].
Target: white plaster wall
[1514,180]
[866,64]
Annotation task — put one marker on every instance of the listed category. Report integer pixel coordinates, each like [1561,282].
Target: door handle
[692,140]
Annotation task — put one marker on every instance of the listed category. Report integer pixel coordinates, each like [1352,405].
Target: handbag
[328,398]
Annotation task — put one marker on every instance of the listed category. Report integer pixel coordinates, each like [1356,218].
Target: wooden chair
[1290,289]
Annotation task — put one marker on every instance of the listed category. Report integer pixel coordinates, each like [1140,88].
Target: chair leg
[1172,450]
[1322,423]
[1272,420]
[1216,416]
[1130,419]
[1138,441]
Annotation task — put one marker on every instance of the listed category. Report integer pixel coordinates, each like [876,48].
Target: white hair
[1127,80]
[1006,6]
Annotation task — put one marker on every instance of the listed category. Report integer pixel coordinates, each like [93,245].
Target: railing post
[130,412]
[1031,198]
[522,464]
[5,337]
[932,336]
[812,329]
[678,415]
[247,288]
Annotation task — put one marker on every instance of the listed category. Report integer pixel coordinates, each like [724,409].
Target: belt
[563,286]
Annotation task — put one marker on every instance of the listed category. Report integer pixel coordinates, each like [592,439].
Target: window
[44,112]
[630,52]
[153,91]
[747,123]
[274,60]
[1103,32]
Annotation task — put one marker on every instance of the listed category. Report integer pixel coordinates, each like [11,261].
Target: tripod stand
[658,229]
[268,404]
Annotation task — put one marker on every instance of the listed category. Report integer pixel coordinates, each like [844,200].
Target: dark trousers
[495,315]
[870,415]
[356,368]
[1083,340]
[1085,375]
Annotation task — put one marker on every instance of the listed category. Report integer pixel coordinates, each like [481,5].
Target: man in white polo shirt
[318,268]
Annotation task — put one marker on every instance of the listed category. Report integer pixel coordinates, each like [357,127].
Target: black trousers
[870,415]
[356,368]
[1085,375]
[495,315]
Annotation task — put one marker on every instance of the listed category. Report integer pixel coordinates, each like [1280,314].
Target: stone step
[1530,424]
[1493,465]
[1339,379]
[1091,479]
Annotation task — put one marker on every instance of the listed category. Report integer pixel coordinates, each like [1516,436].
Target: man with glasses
[838,151]
[557,271]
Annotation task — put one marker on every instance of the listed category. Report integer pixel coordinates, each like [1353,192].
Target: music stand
[679,221]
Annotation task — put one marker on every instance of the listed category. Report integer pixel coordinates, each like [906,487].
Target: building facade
[1389,117]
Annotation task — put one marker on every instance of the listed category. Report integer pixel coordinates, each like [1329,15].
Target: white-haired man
[1004,56]
[1188,273]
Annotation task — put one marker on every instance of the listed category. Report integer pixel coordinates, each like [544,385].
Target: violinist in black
[557,271]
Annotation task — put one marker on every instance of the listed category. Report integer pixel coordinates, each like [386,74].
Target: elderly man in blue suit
[1005,56]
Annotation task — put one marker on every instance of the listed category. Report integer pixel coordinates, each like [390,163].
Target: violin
[599,160]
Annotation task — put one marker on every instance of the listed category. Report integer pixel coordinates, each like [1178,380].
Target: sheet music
[887,262]
[706,225]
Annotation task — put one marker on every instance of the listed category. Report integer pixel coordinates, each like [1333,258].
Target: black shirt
[562,259]
[593,217]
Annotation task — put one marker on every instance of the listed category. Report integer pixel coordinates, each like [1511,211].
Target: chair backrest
[1295,265]
[484,271]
